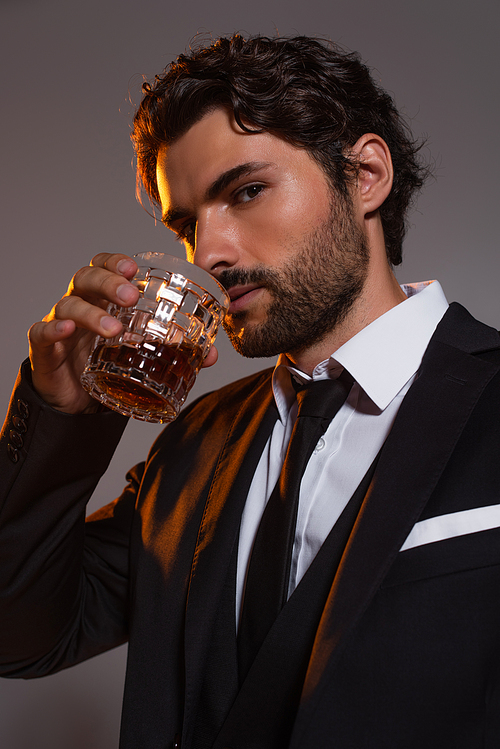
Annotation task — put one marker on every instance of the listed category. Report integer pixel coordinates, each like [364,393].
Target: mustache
[241,277]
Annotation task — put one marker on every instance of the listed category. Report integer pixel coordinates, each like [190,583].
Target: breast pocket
[445,556]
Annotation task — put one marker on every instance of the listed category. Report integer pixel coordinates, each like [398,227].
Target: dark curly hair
[307,91]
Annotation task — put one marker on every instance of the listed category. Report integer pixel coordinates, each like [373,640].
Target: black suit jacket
[407,650]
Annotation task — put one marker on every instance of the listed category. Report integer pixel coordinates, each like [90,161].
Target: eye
[248,193]
[187,232]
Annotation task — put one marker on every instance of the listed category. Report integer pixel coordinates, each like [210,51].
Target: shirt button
[321,444]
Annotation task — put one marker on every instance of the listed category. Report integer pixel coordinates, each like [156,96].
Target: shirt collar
[383,356]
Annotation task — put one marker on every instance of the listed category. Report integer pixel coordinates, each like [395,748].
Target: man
[287,174]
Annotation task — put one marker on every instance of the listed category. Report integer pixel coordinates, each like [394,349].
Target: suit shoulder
[460,329]
[235,391]
[224,401]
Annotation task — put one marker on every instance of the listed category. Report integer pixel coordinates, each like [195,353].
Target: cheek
[307,201]
[292,217]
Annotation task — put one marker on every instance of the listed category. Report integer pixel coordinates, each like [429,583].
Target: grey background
[68,69]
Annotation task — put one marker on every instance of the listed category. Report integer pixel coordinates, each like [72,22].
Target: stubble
[310,296]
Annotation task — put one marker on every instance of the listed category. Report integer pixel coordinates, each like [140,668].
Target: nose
[216,242]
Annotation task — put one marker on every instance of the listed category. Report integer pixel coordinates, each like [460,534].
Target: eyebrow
[173,214]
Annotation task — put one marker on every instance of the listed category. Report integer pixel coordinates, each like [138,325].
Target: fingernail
[60,326]
[110,324]
[126,293]
[125,266]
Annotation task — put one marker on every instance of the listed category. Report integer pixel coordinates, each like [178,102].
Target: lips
[241,296]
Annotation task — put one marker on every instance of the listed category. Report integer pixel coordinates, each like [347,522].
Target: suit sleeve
[63,582]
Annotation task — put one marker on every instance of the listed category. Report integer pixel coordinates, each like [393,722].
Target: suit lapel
[219,530]
[429,423]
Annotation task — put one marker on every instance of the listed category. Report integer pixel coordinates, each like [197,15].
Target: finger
[102,286]
[84,315]
[123,265]
[45,334]
[211,357]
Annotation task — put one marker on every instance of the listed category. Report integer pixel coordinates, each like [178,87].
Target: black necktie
[266,588]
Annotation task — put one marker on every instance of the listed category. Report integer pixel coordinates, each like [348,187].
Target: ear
[375,175]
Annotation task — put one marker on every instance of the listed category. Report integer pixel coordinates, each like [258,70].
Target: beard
[310,295]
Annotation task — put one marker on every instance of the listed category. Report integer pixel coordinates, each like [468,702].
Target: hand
[61,343]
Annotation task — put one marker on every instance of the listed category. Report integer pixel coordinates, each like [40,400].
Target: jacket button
[16,438]
[19,424]
[12,453]
[23,409]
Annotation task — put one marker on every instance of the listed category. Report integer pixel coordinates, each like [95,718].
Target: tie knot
[323,398]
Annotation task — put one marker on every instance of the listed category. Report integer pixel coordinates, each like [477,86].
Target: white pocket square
[451,525]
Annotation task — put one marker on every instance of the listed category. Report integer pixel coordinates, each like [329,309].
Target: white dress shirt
[383,359]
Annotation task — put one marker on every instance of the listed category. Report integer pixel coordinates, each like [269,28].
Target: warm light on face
[256,212]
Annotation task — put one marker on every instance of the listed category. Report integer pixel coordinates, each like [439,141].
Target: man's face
[259,215]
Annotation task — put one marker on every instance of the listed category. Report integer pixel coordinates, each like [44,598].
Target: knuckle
[60,309]
[33,332]
[77,279]
[90,282]
[48,317]
[100,260]
[36,334]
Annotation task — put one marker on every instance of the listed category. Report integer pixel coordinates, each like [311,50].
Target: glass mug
[148,369]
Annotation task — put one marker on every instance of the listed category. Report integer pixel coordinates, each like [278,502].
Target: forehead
[213,146]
